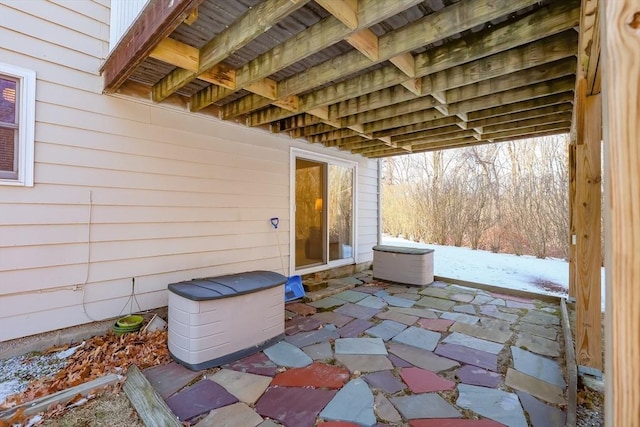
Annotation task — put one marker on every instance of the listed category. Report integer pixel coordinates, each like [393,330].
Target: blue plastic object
[293,289]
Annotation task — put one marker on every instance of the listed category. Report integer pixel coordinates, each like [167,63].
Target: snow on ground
[527,273]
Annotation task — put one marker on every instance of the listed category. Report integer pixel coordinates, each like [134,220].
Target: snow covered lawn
[544,276]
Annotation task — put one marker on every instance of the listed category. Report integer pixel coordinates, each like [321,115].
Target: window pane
[340,212]
[8,100]
[7,150]
[310,246]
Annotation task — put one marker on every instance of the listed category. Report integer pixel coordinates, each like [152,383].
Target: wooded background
[508,197]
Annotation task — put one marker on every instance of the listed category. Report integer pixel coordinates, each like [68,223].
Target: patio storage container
[411,266]
[216,320]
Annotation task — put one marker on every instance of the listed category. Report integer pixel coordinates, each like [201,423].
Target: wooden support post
[572,219]
[588,238]
[621,86]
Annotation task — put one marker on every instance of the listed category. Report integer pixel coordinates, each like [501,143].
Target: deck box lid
[211,288]
[402,250]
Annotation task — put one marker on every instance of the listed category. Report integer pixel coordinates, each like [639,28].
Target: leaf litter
[31,376]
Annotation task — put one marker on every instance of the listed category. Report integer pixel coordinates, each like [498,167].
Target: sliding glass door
[324,211]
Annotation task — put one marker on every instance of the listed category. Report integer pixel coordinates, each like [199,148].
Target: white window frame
[330,160]
[26,100]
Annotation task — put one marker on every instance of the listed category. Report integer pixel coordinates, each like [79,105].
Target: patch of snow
[68,352]
[548,276]
[17,372]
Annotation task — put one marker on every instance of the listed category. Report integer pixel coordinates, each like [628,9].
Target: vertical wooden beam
[588,238]
[621,86]
[572,219]
[577,137]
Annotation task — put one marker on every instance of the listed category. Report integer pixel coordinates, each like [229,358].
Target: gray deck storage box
[411,266]
[217,320]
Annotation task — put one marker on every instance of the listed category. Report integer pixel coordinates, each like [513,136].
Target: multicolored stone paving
[384,354]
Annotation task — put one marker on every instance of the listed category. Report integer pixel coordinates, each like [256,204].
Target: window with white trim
[17,122]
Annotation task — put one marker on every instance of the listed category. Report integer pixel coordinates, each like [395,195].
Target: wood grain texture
[588,243]
[150,407]
[621,85]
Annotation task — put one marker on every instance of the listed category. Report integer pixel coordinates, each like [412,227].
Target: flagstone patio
[386,354]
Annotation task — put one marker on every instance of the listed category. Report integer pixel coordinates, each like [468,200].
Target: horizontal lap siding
[127,189]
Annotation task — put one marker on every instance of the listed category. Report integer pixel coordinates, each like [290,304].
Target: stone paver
[364,363]
[494,404]
[460,317]
[351,296]
[418,337]
[301,324]
[258,364]
[535,387]
[465,308]
[415,311]
[385,410]
[537,366]
[332,318]
[498,302]
[386,329]
[385,381]
[437,303]
[294,406]
[462,297]
[301,309]
[541,318]
[246,387]
[437,325]
[495,335]
[443,293]
[236,415]
[354,328]
[472,342]
[285,354]
[424,381]
[269,423]
[538,344]
[397,317]
[473,375]
[373,301]
[327,302]
[426,405]
[421,358]
[474,357]
[303,339]
[353,403]
[406,295]
[198,399]
[398,302]
[357,311]
[492,311]
[548,332]
[518,304]
[399,363]
[320,351]
[170,378]
[316,375]
[481,299]
[541,414]
[363,346]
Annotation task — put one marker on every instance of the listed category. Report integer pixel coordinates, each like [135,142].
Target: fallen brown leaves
[99,356]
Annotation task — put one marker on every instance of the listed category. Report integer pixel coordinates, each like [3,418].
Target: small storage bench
[411,266]
[217,320]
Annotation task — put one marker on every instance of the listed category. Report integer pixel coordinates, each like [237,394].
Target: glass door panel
[340,212]
[310,186]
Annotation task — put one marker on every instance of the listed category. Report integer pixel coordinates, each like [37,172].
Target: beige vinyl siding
[126,189]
